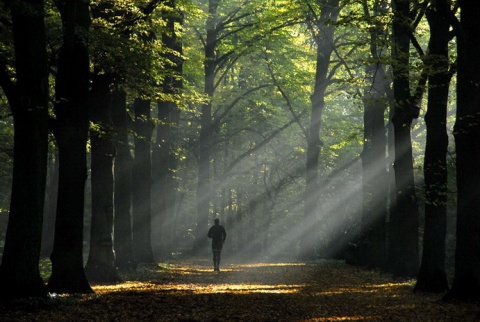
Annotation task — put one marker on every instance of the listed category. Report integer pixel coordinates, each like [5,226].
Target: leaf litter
[189,290]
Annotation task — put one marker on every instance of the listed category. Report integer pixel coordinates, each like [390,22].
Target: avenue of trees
[313,129]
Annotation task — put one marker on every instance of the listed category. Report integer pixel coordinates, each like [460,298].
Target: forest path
[189,290]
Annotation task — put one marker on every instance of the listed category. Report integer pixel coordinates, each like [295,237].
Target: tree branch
[257,147]
[220,117]
[285,97]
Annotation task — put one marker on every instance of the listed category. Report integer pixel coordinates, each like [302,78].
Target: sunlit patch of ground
[344,318]
[382,288]
[272,265]
[191,291]
[201,288]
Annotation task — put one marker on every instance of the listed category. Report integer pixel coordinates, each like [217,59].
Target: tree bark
[164,159]
[432,276]
[375,181]
[49,213]
[372,250]
[71,133]
[165,185]
[204,194]
[325,46]
[123,183]
[142,184]
[101,260]
[19,273]
[404,214]
[466,283]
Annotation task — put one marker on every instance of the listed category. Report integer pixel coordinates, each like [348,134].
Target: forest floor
[189,290]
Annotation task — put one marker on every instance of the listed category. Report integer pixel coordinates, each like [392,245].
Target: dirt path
[191,291]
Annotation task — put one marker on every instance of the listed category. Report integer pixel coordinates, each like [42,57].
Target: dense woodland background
[311,128]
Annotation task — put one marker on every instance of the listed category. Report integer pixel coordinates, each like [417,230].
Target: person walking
[218,234]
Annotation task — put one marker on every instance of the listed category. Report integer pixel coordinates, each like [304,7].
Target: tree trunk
[392,194]
[432,276]
[71,132]
[375,184]
[325,47]
[230,219]
[239,221]
[165,184]
[142,184]
[101,260]
[372,250]
[206,133]
[19,274]
[123,183]
[404,213]
[49,213]
[164,160]
[466,283]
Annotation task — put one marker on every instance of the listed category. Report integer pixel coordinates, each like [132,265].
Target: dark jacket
[218,234]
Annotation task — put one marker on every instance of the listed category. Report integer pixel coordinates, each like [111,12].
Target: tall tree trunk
[325,47]
[19,273]
[101,260]
[372,251]
[375,183]
[466,283]
[206,132]
[49,214]
[142,184]
[239,220]
[230,218]
[404,215]
[164,158]
[432,276]
[123,183]
[165,185]
[392,194]
[71,132]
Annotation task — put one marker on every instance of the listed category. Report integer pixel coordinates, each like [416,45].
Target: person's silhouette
[217,234]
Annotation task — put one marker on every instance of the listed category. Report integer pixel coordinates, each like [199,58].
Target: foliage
[45,268]
[126,41]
